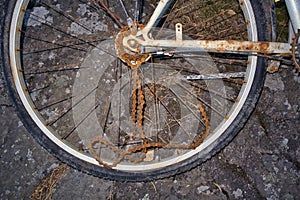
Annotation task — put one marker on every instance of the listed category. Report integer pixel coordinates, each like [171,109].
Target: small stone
[273,66]
[53,166]
[238,193]
[20,124]
[149,156]
[287,104]
[202,189]
[146,197]
[17,152]
[285,141]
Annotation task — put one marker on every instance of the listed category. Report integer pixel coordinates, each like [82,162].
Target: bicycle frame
[219,46]
[293,7]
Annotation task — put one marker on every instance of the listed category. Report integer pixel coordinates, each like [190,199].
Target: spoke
[128,18]
[165,106]
[210,90]
[38,89]
[201,100]
[53,67]
[285,59]
[107,109]
[237,81]
[216,20]
[51,43]
[70,108]
[213,76]
[232,61]
[184,68]
[103,6]
[72,36]
[118,79]
[166,18]
[60,45]
[206,23]
[167,109]
[192,82]
[52,71]
[72,131]
[138,13]
[54,103]
[156,108]
[185,104]
[48,24]
[229,32]
[69,17]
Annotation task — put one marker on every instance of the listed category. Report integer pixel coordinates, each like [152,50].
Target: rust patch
[132,59]
[264,46]
[295,51]
[249,47]
[261,47]
[233,45]
[272,69]
[242,3]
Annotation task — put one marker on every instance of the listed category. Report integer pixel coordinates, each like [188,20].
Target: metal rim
[18,15]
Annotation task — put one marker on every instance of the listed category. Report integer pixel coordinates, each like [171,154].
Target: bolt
[132,43]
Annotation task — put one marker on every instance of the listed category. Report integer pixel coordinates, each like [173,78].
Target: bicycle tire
[259,9]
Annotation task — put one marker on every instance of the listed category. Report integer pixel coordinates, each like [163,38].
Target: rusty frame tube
[217,46]
[223,46]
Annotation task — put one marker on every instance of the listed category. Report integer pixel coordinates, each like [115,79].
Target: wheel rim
[49,130]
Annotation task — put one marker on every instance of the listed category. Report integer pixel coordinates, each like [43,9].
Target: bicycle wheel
[110,119]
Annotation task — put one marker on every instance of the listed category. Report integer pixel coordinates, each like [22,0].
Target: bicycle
[138,90]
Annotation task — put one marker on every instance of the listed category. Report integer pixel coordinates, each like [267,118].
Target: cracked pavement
[262,162]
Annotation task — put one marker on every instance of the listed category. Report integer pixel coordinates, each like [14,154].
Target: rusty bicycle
[138,90]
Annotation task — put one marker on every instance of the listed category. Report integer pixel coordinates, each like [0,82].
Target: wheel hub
[128,50]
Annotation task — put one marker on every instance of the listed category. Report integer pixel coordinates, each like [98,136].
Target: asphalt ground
[262,162]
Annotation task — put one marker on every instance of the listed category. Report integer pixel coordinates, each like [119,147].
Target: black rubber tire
[261,8]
